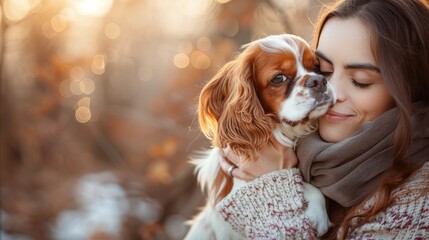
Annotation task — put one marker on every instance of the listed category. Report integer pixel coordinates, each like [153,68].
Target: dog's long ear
[212,100]
[229,109]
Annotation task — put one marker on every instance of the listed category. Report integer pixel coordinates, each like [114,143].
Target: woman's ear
[230,112]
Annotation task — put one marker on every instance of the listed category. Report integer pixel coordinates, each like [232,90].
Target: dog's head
[271,87]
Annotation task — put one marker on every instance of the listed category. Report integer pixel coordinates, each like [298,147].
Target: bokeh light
[200,60]
[76,73]
[98,64]
[87,86]
[59,23]
[204,43]
[83,114]
[84,102]
[112,31]
[181,60]
[16,10]
[96,8]
[75,87]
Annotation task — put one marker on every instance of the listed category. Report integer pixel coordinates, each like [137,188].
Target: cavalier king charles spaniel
[269,95]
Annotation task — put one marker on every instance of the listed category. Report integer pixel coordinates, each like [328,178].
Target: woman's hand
[271,159]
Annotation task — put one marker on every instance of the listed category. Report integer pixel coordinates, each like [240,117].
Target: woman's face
[344,52]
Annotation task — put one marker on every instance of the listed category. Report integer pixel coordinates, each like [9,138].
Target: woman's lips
[336,116]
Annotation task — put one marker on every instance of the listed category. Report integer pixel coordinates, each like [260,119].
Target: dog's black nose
[317,83]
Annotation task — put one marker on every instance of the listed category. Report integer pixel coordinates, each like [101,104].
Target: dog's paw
[318,218]
[316,210]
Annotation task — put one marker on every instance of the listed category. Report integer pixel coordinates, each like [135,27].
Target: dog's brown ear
[212,100]
[229,109]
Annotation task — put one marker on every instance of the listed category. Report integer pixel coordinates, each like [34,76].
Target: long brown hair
[400,45]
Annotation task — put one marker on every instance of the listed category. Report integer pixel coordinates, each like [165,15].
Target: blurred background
[98,102]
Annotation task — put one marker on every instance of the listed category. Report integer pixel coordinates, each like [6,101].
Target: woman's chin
[333,134]
[330,138]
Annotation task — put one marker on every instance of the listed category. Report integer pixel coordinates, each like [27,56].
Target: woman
[370,156]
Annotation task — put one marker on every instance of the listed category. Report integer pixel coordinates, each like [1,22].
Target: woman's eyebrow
[367,66]
[322,56]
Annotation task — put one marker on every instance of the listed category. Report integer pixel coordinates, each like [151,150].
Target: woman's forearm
[269,207]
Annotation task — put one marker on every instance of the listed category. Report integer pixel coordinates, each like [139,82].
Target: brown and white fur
[267,96]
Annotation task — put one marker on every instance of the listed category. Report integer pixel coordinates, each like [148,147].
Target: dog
[270,94]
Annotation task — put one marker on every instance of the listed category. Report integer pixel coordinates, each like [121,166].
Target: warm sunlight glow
[222,1]
[96,8]
[100,99]
[182,17]
[69,14]
[16,10]
[194,8]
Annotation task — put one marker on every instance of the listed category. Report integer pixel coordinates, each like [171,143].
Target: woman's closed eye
[364,79]
[360,84]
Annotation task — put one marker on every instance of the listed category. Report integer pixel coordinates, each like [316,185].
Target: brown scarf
[349,170]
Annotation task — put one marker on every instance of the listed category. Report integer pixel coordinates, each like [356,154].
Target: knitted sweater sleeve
[269,207]
[406,218]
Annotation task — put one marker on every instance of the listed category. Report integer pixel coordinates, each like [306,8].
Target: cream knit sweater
[271,207]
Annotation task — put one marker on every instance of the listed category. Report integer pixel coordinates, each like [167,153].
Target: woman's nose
[338,84]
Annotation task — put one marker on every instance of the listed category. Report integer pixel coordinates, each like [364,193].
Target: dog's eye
[279,79]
